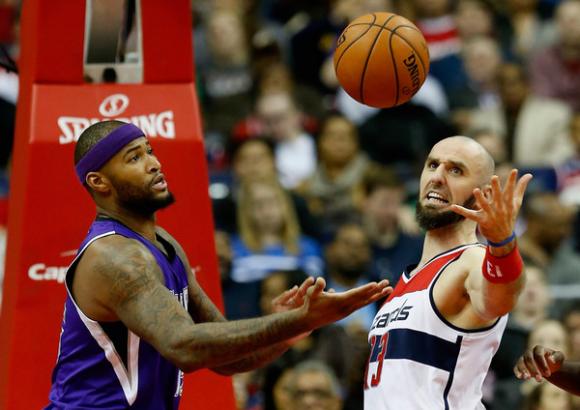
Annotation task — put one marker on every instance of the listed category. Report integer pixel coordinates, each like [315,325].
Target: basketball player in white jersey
[433,339]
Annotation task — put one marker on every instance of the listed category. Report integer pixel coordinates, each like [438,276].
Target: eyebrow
[459,164]
[136,147]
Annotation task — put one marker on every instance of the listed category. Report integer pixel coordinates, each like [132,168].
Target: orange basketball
[381,59]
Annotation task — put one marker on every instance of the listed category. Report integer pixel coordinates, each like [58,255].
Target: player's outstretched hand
[292,298]
[497,213]
[321,307]
[537,362]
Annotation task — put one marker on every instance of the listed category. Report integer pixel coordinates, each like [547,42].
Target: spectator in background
[392,249]
[313,45]
[295,150]
[492,142]
[521,30]
[530,310]
[481,58]
[224,71]
[431,95]
[546,396]
[552,334]
[276,76]
[279,396]
[568,174]
[435,19]
[555,71]
[547,243]
[495,144]
[546,239]
[348,258]
[253,160]
[474,18]
[402,135]
[334,191]
[533,303]
[314,387]
[535,128]
[571,319]
[269,237]
[241,300]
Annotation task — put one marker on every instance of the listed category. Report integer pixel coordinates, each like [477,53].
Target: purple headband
[105,149]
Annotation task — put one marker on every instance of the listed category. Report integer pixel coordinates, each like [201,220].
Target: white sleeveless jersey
[418,360]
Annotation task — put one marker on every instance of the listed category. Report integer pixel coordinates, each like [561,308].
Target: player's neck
[143,225]
[440,240]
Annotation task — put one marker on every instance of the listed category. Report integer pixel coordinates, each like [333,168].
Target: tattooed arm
[254,359]
[126,283]
[202,309]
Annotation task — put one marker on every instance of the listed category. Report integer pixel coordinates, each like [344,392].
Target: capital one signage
[117,107]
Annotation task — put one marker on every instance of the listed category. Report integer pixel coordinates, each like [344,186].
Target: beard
[429,219]
[141,201]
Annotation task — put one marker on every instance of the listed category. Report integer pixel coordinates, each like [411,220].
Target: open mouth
[159,183]
[436,198]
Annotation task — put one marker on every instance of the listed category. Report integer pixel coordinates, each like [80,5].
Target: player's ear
[98,182]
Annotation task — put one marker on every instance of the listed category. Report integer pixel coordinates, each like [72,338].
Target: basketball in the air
[381,59]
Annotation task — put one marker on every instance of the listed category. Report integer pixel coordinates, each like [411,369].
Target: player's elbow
[187,364]
[500,309]
[497,307]
[184,357]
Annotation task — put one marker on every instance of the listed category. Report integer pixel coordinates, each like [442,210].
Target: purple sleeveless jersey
[103,365]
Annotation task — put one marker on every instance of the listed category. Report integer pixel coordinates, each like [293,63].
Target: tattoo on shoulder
[129,270]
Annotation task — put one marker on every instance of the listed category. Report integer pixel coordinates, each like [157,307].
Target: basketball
[381,59]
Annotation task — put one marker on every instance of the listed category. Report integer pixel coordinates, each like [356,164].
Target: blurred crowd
[306,181]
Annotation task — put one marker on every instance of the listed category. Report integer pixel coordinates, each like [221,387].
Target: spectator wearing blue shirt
[392,249]
[269,237]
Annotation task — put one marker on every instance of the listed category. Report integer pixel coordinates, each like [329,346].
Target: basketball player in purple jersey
[135,317]
[434,338]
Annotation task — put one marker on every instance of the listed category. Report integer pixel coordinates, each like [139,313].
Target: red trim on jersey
[421,279]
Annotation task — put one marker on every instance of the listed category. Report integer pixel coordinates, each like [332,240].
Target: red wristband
[502,269]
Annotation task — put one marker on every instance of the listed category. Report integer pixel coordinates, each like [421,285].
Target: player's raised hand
[537,362]
[498,210]
[321,307]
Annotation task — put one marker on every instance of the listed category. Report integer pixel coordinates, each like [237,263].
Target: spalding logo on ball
[381,59]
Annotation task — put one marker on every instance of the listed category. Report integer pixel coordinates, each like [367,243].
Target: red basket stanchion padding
[49,210]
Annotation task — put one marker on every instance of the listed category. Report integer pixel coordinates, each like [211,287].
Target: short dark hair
[235,145]
[92,135]
[293,277]
[335,114]
[574,307]
[377,177]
